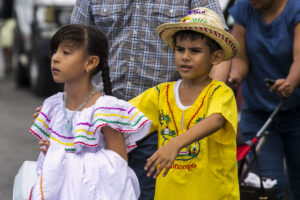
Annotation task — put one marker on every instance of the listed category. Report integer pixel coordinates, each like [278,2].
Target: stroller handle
[262,130]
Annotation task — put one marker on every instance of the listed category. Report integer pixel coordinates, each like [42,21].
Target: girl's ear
[92,62]
[217,57]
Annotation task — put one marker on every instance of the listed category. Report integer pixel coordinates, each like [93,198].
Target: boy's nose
[186,56]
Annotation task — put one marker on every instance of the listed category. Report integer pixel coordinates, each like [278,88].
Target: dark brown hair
[96,44]
[193,35]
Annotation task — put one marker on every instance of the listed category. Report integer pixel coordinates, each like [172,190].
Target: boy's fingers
[167,168]
[149,163]
[153,167]
[38,109]
[37,112]
[43,149]
[160,168]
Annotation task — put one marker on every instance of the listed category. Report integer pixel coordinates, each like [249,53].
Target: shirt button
[131,59]
[134,32]
[171,11]
[128,83]
[105,10]
[137,6]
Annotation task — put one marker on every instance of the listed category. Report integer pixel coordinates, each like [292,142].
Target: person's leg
[137,160]
[270,158]
[290,126]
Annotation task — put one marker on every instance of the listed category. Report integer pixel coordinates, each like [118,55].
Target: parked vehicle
[37,21]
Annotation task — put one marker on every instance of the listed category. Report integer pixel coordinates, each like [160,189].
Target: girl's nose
[55,57]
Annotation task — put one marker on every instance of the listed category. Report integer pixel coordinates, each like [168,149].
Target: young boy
[196,117]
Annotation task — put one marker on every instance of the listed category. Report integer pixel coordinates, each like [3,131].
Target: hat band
[210,31]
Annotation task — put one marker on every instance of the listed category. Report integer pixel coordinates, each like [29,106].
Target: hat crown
[203,16]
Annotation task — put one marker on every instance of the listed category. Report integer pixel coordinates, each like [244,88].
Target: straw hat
[205,21]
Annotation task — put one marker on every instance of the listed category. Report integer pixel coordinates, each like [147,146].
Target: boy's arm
[165,156]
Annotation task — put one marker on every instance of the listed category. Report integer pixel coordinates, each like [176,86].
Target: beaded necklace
[69,123]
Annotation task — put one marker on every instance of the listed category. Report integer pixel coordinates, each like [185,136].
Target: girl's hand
[162,158]
[283,88]
[37,112]
[44,145]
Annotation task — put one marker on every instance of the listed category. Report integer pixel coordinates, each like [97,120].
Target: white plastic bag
[24,180]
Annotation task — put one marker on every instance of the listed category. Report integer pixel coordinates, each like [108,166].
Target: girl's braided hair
[96,44]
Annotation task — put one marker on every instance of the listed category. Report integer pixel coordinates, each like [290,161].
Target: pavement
[16,109]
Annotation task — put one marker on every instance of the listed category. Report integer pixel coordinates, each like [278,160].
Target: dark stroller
[246,162]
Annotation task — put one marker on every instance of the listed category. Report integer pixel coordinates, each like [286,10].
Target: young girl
[89,132]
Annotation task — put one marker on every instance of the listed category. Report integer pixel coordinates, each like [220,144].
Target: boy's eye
[179,49]
[196,50]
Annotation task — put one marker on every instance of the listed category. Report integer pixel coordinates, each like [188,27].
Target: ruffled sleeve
[40,128]
[119,115]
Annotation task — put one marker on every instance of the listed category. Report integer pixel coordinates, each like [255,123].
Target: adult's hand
[234,79]
[283,88]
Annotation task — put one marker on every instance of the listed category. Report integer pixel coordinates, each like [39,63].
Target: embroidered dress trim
[84,133]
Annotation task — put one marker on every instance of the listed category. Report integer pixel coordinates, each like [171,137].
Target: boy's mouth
[185,67]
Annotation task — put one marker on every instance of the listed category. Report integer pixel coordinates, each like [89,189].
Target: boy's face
[193,59]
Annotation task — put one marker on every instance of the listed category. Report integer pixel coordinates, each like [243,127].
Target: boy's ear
[217,57]
[92,62]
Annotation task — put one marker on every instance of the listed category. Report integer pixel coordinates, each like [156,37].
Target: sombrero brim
[227,42]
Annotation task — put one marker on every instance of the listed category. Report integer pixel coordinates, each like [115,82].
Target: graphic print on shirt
[187,153]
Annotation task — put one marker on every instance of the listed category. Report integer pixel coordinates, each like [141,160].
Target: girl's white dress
[77,164]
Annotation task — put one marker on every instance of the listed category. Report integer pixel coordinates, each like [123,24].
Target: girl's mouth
[54,70]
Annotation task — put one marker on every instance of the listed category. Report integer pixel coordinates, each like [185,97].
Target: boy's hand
[44,145]
[37,112]
[162,158]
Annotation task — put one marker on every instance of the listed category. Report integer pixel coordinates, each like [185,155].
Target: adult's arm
[221,71]
[82,13]
[286,86]
[240,64]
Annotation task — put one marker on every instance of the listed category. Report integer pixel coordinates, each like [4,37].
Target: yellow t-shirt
[206,169]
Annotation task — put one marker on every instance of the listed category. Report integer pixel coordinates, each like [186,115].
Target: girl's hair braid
[106,79]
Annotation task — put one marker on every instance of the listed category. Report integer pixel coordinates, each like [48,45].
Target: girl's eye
[67,52]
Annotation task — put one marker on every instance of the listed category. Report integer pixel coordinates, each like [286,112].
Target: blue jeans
[283,141]
[137,160]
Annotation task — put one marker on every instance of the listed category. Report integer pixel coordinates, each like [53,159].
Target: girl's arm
[165,156]
[286,86]
[240,64]
[115,141]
